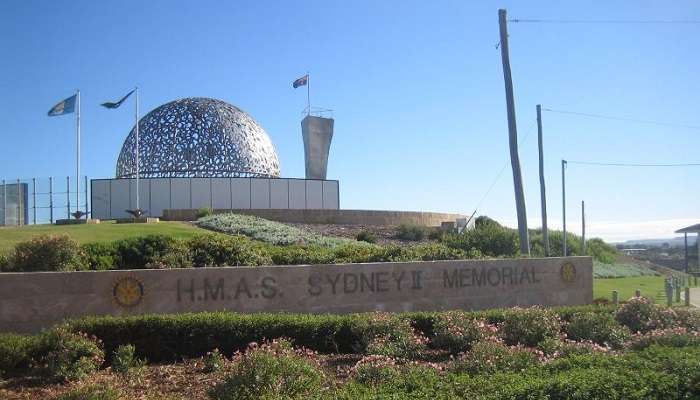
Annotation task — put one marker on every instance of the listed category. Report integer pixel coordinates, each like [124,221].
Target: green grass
[651,286]
[104,232]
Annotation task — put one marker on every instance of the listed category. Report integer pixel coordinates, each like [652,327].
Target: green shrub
[529,326]
[48,253]
[489,357]
[5,264]
[16,352]
[91,392]
[65,356]
[152,251]
[456,331]
[375,370]
[366,236]
[100,256]
[672,337]
[213,361]
[412,232]
[204,212]
[386,335]
[640,314]
[599,328]
[488,239]
[438,251]
[220,250]
[271,371]
[124,359]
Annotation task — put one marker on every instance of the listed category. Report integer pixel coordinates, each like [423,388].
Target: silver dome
[198,137]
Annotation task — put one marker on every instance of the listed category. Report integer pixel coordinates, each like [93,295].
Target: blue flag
[303,81]
[67,106]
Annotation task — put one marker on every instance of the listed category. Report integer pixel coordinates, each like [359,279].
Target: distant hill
[673,242]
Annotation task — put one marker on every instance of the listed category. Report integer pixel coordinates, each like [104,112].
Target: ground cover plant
[621,270]
[636,350]
[267,231]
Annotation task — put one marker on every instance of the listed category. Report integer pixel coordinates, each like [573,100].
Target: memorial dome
[198,137]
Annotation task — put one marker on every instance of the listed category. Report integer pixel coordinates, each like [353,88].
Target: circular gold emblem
[127,292]
[568,272]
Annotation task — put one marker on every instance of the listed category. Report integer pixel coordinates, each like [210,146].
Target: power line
[641,121]
[632,165]
[604,21]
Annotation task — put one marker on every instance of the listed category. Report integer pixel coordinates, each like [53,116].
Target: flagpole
[77,164]
[308,93]
[137,148]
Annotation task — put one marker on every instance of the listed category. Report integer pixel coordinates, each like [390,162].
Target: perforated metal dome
[198,137]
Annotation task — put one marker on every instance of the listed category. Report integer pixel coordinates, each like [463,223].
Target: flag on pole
[118,103]
[66,106]
[303,81]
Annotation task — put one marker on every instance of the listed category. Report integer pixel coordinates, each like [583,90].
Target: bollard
[687,297]
[616,298]
[678,294]
[638,293]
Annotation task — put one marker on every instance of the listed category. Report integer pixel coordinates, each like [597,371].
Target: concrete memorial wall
[110,198]
[32,301]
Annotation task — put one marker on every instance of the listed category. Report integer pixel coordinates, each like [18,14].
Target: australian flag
[303,81]
[118,103]
[66,106]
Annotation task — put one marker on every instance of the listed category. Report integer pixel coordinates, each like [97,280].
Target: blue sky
[416,86]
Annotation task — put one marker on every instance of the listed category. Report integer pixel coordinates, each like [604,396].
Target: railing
[41,200]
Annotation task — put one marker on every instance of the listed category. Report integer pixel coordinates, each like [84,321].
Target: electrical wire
[641,121]
[631,165]
[603,21]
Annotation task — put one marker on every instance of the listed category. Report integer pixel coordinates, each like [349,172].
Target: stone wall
[341,217]
[32,301]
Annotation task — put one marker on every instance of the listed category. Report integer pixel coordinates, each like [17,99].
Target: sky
[416,88]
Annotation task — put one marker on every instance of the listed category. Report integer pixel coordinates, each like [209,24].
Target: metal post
[543,196]
[19,203]
[86,197]
[4,200]
[615,297]
[638,293]
[563,204]
[138,207]
[685,241]
[34,199]
[51,200]
[687,297]
[583,228]
[308,93]
[513,136]
[77,165]
[68,194]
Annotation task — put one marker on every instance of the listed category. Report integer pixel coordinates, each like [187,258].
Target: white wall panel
[201,192]
[314,195]
[119,201]
[144,194]
[279,193]
[99,199]
[259,193]
[297,194]
[330,195]
[180,193]
[160,196]
[240,192]
[221,193]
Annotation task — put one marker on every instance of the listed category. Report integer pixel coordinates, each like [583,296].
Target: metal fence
[41,200]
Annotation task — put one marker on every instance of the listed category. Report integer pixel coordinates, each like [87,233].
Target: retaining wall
[341,217]
[32,301]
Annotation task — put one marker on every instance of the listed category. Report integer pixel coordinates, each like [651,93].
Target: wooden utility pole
[513,136]
[583,228]
[543,196]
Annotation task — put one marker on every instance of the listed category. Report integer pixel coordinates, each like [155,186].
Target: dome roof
[198,137]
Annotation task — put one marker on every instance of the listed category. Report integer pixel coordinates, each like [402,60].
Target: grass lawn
[104,232]
[651,286]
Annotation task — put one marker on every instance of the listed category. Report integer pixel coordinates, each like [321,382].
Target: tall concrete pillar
[317,133]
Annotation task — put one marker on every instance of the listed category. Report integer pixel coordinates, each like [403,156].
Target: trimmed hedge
[176,336]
